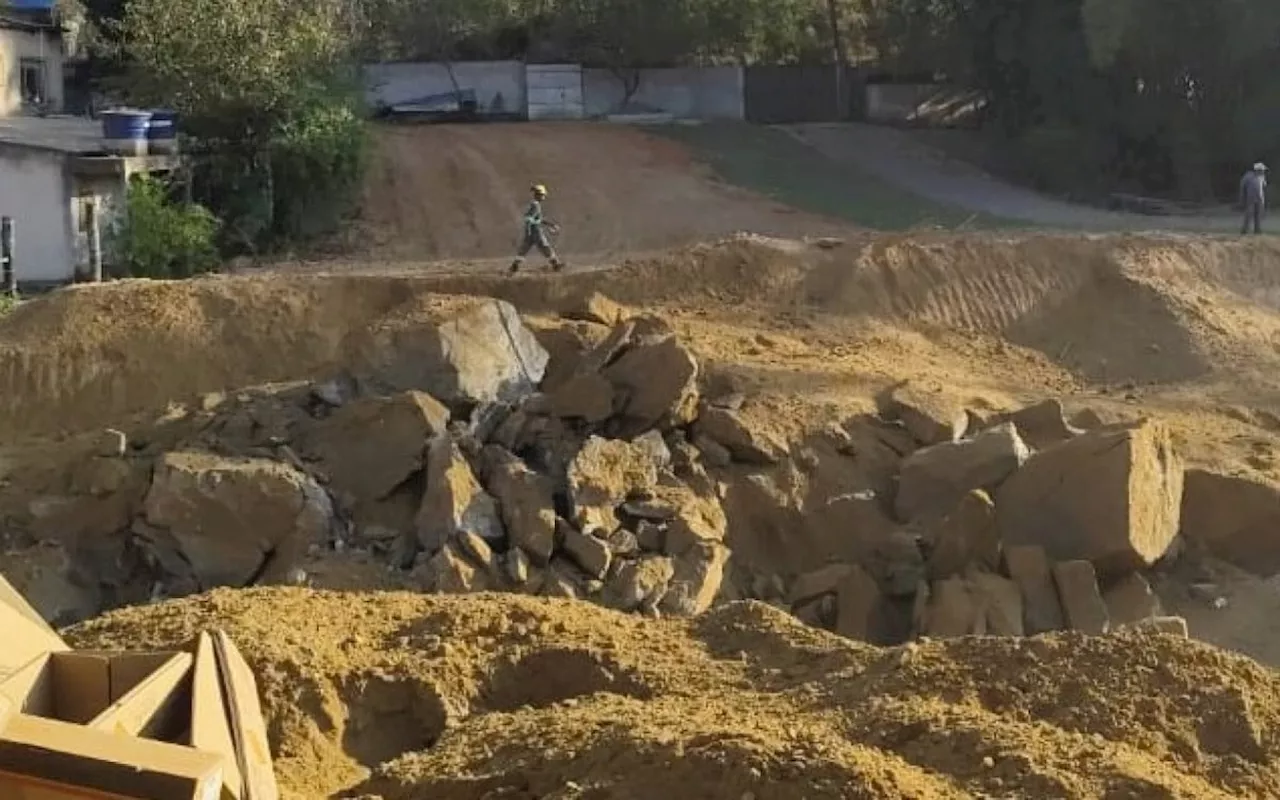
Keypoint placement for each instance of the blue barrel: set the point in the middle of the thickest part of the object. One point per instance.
(125, 124)
(162, 131)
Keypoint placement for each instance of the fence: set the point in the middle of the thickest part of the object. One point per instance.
(762, 94)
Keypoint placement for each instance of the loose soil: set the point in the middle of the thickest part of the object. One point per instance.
(405, 696)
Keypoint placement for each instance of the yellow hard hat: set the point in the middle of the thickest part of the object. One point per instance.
(539, 189)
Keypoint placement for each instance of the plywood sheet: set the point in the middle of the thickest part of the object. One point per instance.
(248, 729)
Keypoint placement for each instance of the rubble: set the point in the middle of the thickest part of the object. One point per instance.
(1082, 604)
(641, 583)
(1029, 567)
(1041, 425)
(1234, 517)
(658, 382)
(858, 606)
(454, 500)
(932, 417)
(1131, 600)
(237, 521)
(527, 503)
(587, 551)
(934, 480)
(602, 476)
(696, 577)
(744, 443)
(1111, 496)
(966, 536)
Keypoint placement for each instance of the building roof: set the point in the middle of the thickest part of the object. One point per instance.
(74, 135)
(33, 20)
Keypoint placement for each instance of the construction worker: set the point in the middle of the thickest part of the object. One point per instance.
(1253, 195)
(535, 232)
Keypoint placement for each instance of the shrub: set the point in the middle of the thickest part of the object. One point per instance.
(160, 238)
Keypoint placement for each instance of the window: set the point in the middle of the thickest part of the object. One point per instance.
(31, 72)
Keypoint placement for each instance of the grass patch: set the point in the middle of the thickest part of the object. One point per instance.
(8, 302)
(771, 162)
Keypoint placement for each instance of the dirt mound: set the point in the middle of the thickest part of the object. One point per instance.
(447, 191)
(401, 696)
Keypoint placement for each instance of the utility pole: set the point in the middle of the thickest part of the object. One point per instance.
(93, 223)
(8, 275)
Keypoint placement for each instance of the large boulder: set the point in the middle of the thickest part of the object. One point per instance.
(1111, 496)
(371, 446)
(745, 443)
(1082, 602)
(527, 502)
(454, 500)
(463, 350)
(237, 520)
(1234, 517)
(603, 474)
(641, 583)
(658, 385)
(1029, 568)
(967, 536)
(1041, 425)
(934, 480)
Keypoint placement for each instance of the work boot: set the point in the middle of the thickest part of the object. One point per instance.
(514, 268)
(557, 265)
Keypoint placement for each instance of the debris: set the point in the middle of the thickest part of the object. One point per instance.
(1041, 425)
(695, 581)
(932, 417)
(449, 572)
(603, 474)
(966, 536)
(638, 583)
(237, 520)
(587, 396)
(527, 503)
(818, 582)
(858, 606)
(1175, 626)
(952, 610)
(659, 381)
(934, 480)
(1001, 601)
(594, 307)
(1132, 479)
(744, 443)
(588, 552)
(1131, 600)
(454, 500)
(714, 453)
(1082, 604)
(1235, 518)
(111, 443)
(1028, 566)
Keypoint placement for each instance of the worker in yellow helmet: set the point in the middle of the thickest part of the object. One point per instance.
(535, 232)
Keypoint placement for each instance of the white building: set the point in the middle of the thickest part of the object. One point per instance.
(51, 168)
(31, 61)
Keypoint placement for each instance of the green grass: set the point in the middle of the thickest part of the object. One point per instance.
(8, 302)
(771, 162)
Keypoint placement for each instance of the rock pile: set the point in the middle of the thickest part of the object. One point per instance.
(459, 454)
(999, 536)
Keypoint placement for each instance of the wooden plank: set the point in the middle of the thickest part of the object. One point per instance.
(85, 758)
(30, 689)
(130, 669)
(210, 729)
(24, 640)
(248, 729)
(81, 686)
(150, 706)
(23, 787)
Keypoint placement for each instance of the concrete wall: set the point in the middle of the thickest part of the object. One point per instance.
(35, 191)
(17, 45)
(688, 93)
(925, 104)
(491, 80)
(554, 91)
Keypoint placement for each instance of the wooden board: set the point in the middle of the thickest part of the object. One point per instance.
(24, 787)
(150, 708)
(210, 729)
(24, 639)
(76, 756)
(248, 729)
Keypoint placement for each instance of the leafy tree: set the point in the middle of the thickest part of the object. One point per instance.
(158, 238)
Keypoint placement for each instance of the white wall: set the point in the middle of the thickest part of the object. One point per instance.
(400, 81)
(35, 192)
(554, 91)
(687, 92)
(17, 45)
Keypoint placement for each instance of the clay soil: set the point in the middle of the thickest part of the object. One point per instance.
(406, 696)
(509, 697)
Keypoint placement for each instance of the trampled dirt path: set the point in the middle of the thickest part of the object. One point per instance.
(895, 157)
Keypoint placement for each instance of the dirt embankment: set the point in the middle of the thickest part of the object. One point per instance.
(451, 191)
(405, 696)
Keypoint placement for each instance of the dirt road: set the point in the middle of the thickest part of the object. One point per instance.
(895, 157)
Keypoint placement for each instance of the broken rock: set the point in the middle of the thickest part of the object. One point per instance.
(858, 606)
(744, 443)
(932, 417)
(1041, 425)
(967, 536)
(1111, 496)
(594, 307)
(935, 479)
(1131, 600)
(1001, 602)
(463, 350)
(696, 578)
(586, 395)
(639, 583)
(818, 582)
(371, 446)
(1082, 603)
(1029, 568)
(952, 609)
(602, 476)
(659, 384)
(237, 520)
(449, 572)
(1235, 518)
(1174, 626)
(588, 552)
(527, 503)
(454, 500)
